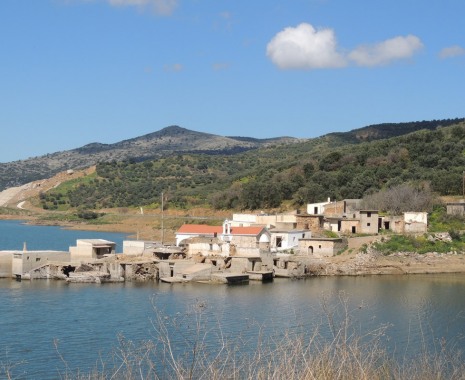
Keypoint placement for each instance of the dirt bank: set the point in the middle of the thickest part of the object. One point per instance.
(373, 263)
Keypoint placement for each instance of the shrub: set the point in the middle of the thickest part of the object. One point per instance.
(88, 215)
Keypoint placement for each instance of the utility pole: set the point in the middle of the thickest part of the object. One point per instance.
(463, 184)
(162, 219)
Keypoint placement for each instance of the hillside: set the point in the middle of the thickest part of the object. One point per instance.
(273, 176)
(163, 143)
(389, 130)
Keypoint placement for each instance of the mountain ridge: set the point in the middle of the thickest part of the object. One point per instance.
(178, 140)
(167, 141)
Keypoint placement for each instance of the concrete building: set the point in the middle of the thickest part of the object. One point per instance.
(415, 222)
(359, 222)
(188, 231)
(317, 208)
(263, 262)
(91, 249)
(206, 246)
(26, 261)
(226, 240)
(369, 221)
(393, 223)
(322, 247)
(286, 239)
(349, 225)
(282, 221)
(18, 263)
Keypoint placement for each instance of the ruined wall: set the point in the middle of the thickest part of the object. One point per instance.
(352, 205)
(249, 252)
(314, 223)
(205, 248)
(393, 223)
(240, 265)
(334, 209)
(455, 209)
(242, 241)
(193, 272)
(285, 267)
(275, 219)
(415, 228)
(416, 217)
(133, 247)
(242, 220)
(6, 262)
(26, 261)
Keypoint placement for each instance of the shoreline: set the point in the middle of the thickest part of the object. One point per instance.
(349, 263)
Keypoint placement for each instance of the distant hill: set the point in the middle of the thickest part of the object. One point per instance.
(163, 143)
(175, 140)
(275, 176)
(388, 130)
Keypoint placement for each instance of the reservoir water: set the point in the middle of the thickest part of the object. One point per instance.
(13, 233)
(45, 324)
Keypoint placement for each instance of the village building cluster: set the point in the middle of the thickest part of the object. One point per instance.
(296, 232)
(247, 247)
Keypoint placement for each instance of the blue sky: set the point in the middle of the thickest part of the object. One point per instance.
(74, 72)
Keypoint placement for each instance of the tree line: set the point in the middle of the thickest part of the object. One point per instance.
(291, 174)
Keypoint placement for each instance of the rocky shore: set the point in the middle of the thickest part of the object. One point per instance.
(349, 263)
(374, 263)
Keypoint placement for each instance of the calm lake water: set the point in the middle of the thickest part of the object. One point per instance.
(14, 233)
(44, 322)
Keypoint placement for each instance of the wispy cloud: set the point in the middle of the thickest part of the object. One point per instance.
(160, 7)
(451, 52)
(224, 21)
(220, 66)
(176, 67)
(305, 47)
(383, 53)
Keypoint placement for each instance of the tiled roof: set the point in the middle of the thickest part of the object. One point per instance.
(246, 230)
(203, 229)
(199, 229)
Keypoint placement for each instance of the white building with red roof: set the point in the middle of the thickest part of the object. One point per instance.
(242, 238)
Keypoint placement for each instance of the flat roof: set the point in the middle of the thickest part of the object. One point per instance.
(97, 242)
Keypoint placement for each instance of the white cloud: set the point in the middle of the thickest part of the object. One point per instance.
(451, 52)
(304, 47)
(385, 52)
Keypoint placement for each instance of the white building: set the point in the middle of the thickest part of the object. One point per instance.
(317, 208)
(286, 239)
(91, 249)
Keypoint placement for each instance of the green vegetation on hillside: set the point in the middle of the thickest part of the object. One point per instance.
(294, 174)
(420, 244)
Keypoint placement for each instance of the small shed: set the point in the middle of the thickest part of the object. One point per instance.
(322, 247)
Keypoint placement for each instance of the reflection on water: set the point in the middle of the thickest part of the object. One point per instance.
(84, 320)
